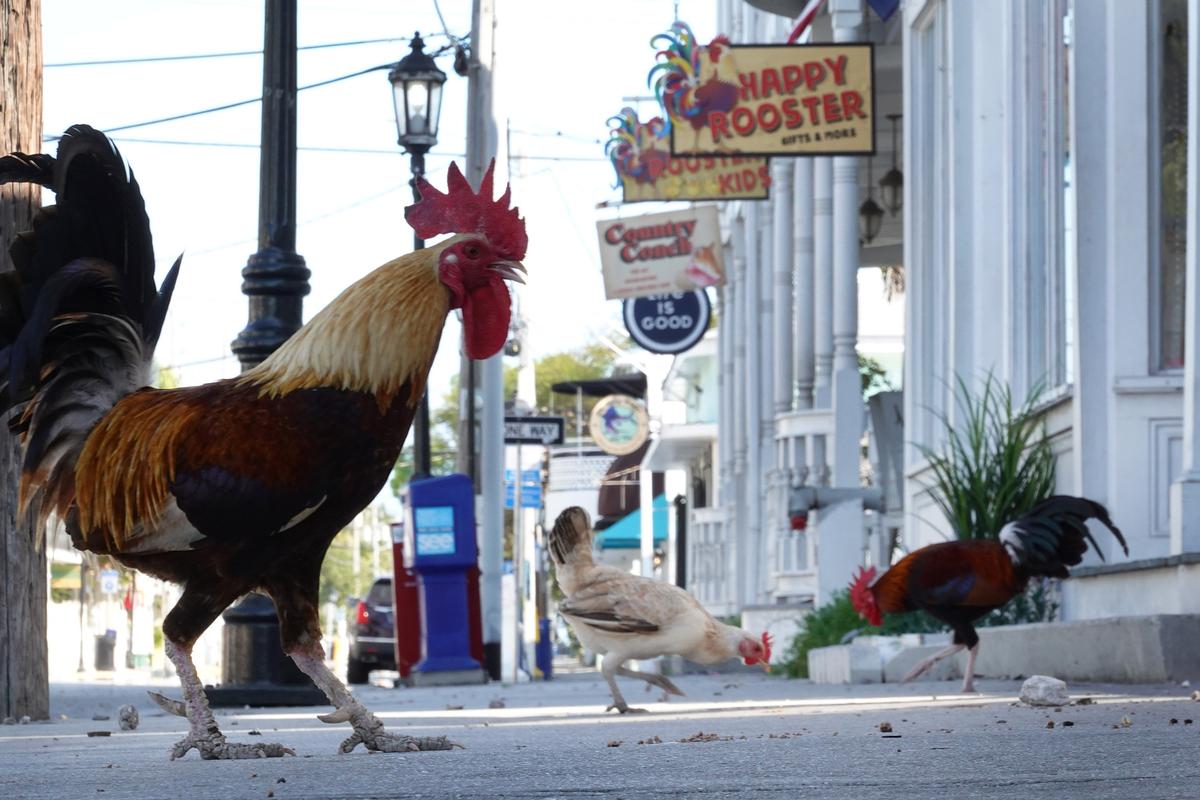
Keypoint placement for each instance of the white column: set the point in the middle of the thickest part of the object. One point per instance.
(1185, 492)
(751, 510)
(802, 233)
(782, 170)
(723, 465)
(847, 385)
(738, 515)
(822, 319)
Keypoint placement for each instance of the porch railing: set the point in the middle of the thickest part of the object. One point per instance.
(710, 556)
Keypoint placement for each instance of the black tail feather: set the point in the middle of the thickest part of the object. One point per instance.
(80, 313)
(1054, 534)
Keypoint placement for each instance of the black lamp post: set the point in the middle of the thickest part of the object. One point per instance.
(417, 94)
(254, 669)
(275, 278)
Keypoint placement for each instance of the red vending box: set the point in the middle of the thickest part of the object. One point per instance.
(407, 607)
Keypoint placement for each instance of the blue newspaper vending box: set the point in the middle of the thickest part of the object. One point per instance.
(444, 549)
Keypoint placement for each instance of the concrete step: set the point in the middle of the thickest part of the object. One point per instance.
(1146, 649)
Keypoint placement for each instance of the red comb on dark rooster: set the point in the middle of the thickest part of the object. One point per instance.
(862, 598)
(463, 210)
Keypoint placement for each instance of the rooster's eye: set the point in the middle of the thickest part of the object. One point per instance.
(471, 251)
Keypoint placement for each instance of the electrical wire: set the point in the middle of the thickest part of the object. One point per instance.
(354, 150)
(228, 106)
(228, 54)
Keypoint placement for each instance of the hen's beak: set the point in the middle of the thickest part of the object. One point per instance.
(509, 270)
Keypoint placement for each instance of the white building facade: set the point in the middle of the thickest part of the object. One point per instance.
(1048, 236)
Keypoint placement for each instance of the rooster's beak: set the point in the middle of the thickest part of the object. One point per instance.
(509, 270)
(766, 667)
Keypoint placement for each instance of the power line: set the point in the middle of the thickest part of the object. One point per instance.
(228, 106)
(356, 150)
(227, 54)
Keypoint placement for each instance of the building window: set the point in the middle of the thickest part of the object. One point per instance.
(1171, 173)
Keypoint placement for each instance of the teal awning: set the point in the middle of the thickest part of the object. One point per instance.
(627, 533)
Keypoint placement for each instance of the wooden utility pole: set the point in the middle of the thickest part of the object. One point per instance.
(24, 679)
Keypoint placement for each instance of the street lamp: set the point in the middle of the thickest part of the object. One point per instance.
(417, 97)
(870, 214)
(892, 183)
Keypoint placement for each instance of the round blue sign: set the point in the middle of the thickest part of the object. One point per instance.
(668, 323)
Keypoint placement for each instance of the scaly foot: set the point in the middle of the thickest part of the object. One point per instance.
(369, 731)
(624, 709)
(213, 746)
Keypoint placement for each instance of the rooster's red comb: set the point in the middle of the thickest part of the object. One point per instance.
(767, 642)
(862, 598)
(462, 210)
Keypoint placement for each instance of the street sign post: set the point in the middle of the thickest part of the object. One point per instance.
(533, 430)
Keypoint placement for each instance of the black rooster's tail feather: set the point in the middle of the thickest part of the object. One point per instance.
(80, 314)
(1054, 534)
(570, 539)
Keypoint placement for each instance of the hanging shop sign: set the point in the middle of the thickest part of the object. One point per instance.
(657, 253)
(765, 100)
(668, 323)
(646, 170)
(619, 424)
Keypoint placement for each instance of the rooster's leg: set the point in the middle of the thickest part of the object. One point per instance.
(205, 736)
(609, 669)
(301, 634)
(969, 675)
(368, 729)
(661, 681)
(194, 612)
(924, 666)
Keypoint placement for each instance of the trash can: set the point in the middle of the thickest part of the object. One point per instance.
(251, 652)
(254, 669)
(106, 643)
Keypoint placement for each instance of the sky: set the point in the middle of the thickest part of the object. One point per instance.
(560, 74)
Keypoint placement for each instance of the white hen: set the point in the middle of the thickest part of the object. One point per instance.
(623, 616)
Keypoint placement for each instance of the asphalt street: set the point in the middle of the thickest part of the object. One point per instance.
(731, 737)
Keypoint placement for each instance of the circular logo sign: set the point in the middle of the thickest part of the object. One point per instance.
(668, 323)
(619, 424)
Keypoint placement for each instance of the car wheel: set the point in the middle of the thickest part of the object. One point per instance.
(356, 671)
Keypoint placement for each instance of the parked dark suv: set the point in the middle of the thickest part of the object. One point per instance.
(372, 633)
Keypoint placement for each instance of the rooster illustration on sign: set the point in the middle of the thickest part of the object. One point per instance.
(689, 79)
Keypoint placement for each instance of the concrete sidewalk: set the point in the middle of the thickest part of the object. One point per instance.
(731, 736)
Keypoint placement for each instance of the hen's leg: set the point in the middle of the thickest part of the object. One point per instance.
(191, 615)
(301, 635)
(609, 670)
(924, 666)
(661, 681)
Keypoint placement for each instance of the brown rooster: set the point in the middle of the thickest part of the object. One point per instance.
(237, 485)
(959, 582)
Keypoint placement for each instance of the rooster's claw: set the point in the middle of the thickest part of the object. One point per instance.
(624, 709)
